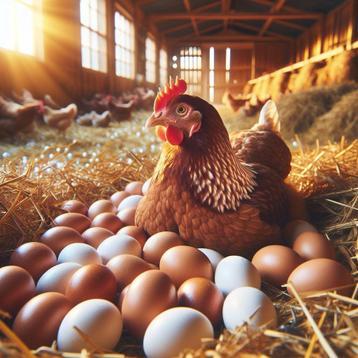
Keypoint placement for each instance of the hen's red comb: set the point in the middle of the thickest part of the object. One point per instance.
(169, 91)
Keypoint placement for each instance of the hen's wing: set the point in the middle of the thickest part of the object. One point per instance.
(263, 143)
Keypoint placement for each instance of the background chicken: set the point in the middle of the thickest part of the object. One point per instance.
(230, 199)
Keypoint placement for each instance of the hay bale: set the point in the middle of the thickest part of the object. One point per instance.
(298, 111)
(306, 77)
(278, 85)
(339, 69)
(341, 120)
(291, 81)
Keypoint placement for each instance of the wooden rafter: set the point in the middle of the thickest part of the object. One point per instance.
(257, 29)
(292, 25)
(196, 10)
(225, 7)
(192, 19)
(269, 3)
(226, 38)
(157, 17)
(277, 6)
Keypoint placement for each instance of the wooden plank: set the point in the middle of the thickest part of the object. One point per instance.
(157, 17)
(257, 29)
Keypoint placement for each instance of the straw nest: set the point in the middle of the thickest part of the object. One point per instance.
(327, 176)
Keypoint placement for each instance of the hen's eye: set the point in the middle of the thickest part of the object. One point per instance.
(181, 110)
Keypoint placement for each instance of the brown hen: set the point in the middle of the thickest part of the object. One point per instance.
(230, 199)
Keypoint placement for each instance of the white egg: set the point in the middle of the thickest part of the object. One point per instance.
(146, 186)
(98, 319)
(130, 202)
(174, 330)
(213, 256)
(236, 271)
(56, 278)
(250, 305)
(118, 245)
(80, 253)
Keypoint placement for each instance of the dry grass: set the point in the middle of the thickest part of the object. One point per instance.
(32, 189)
(298, 111)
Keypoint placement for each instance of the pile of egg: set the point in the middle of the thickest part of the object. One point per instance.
(94, 273)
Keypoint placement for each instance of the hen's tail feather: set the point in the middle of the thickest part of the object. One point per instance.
(269, 118)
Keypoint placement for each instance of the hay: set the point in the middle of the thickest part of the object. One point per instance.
(278, 85)
(298, 111)
(306, 77)
(327, 176)
(339, 69)
(341, 119)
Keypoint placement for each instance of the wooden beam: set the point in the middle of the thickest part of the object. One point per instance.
(269, 3)
(257, 29)
(277, 6)
(227, 38)
(157, 17)
(188, 9)
(292, 25)
(208, 29)
(225, 7)
(198, 9)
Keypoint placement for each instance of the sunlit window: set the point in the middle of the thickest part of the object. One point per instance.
(21, 26)
(227, 64)
(190, 69)
(163, 66)
(211, 74)
(93, 34)
(150, 60)
(124, 42)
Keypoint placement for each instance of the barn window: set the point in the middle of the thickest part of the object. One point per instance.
(93, 34)
(21, 26)
(124, 42)
(227, 64)
(163, 66)
(211, 74)
(150, 60)
(190, 68)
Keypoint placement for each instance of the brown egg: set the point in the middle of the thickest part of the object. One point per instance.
(101, 206)
(58, 237)
(127, 216)
(94, 236)
(108, 221)
(126, 268)
(16, 288)
(183, 262)
(74, 206)
(39, 319)
(92, 281)
(313, 245)
(275, 263)
(321, 275)
(157, 244)
(77, 221)
(135, 232)
(134, 188)
(131, 201)
(34, 257)
(149, 294)
(118, 196)
(121, 297)
(296, 227)
(201, 294)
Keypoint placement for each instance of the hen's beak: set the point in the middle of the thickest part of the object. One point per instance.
(189, 126)
(155, 119)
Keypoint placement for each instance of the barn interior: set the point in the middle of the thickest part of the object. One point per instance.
(78, 81)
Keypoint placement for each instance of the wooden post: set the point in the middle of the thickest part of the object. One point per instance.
(253, 61)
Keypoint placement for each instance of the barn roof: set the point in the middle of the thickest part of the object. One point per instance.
(244, 20)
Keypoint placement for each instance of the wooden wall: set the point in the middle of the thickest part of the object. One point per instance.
(60, 73)
(338, 27)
